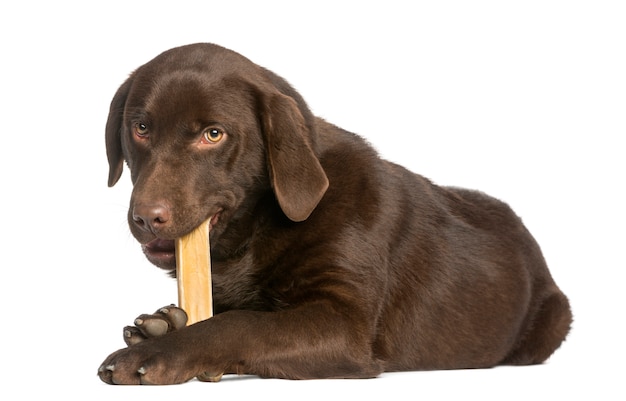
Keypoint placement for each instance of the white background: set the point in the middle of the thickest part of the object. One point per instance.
(523, 100)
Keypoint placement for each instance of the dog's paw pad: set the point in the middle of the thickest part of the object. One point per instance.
(176, 316)
(151, 326)
(132, 335)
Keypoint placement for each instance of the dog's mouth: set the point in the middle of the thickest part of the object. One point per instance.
(162, 252)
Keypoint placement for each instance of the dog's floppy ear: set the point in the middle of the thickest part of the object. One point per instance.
(113, 133)
(297, 177)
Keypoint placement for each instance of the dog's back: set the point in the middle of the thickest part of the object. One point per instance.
(466, 284)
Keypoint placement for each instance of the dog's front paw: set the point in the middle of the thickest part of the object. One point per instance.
(149, 362)
(163, 321)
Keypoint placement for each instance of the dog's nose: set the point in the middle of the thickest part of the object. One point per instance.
(151, 217)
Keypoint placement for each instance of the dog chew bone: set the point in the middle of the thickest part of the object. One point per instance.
(193, 272)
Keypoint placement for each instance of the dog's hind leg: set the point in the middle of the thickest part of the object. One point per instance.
(545, 332)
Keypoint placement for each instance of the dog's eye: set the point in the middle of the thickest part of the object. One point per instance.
(141, 130)
(212, 135)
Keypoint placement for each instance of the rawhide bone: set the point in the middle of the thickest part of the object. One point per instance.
(193, 272)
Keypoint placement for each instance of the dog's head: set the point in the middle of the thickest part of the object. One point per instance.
(207, 134)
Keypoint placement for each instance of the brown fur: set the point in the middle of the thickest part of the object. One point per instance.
(327, 260)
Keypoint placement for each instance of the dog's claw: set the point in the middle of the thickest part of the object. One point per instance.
(208, 377)
(104, 368)
(133, 335)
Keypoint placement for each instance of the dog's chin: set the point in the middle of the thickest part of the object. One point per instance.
(161, 253)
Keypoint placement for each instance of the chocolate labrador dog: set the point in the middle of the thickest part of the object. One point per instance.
(328, 262)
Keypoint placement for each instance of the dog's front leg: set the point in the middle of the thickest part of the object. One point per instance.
(312, 341)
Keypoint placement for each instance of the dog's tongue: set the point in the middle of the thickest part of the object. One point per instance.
(214, 219)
